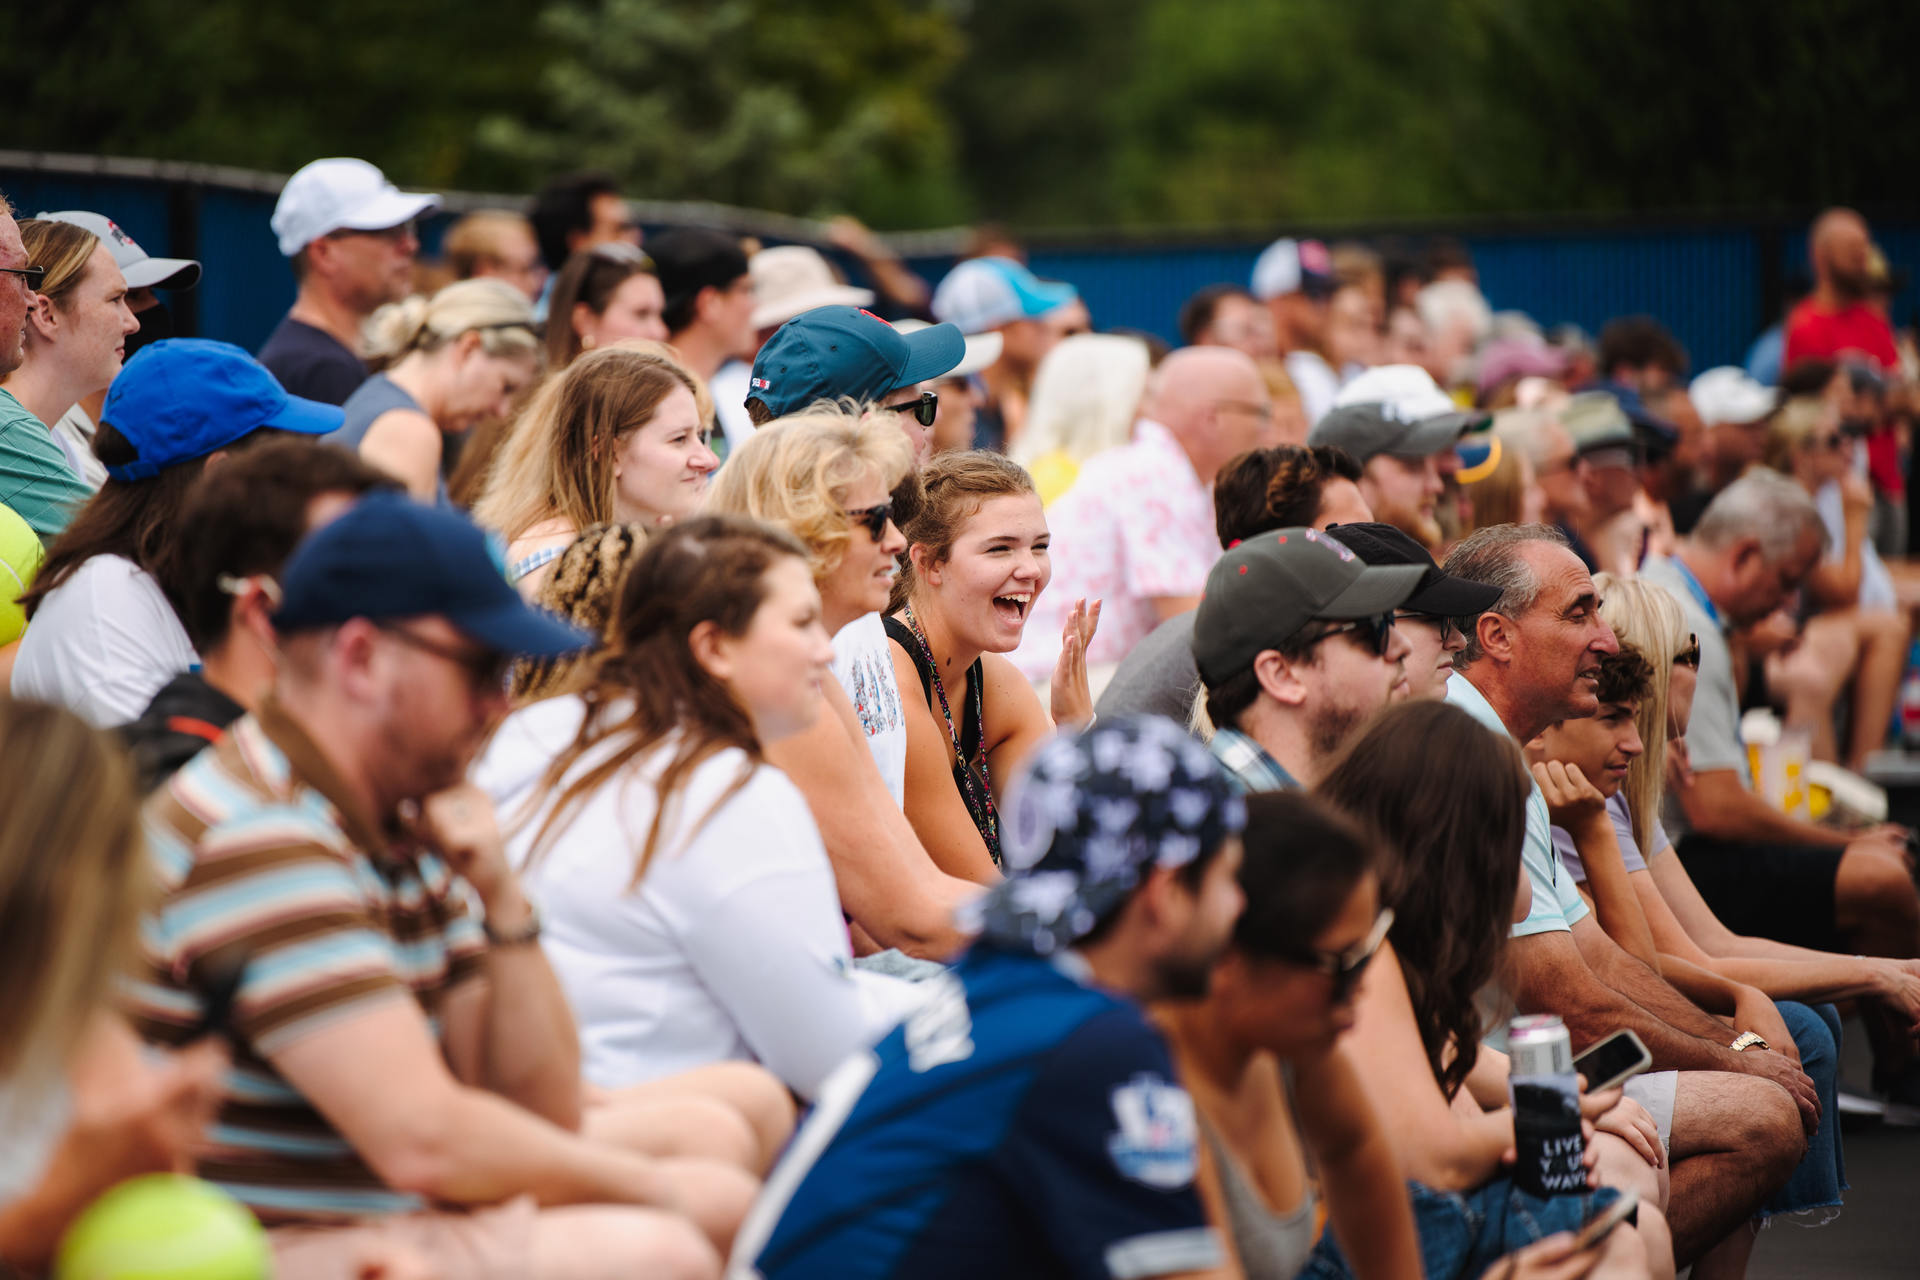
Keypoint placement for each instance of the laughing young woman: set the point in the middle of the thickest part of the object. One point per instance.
(976, 561)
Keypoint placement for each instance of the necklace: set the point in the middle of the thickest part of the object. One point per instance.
(977, 791)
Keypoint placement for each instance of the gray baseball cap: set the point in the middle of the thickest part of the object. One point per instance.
(142, 271)
(1265, 591)
(1395, 409)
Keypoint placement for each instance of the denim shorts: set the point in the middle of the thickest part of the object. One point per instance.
(1464, 1233)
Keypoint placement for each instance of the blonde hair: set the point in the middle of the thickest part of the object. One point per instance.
(74, 881)
(1790, 428)
(796, 473)
(1086, 395)
(557, 460)
(494, 309)
(1648, 618)
(478, 240)
(64, 250)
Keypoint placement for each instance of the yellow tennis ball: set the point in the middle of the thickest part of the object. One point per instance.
(164, 1226)
(20, 556)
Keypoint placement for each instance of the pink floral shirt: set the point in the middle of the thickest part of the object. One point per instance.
(1137, 524)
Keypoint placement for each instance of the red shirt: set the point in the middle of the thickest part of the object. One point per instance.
(1855, 329)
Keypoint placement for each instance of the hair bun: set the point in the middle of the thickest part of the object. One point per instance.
(396, 328)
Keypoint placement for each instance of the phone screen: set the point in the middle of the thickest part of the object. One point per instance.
(1612, 1060)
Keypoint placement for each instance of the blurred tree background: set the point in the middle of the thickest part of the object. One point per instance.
(1039, 113)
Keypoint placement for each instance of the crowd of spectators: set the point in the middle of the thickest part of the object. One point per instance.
(610, 758)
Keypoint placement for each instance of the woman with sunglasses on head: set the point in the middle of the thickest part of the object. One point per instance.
(603, 295)
(1449, 798)
(1264, 1058)
(443, 364)
(976, 561)
(619, 436)
(77, 326)
(688, 906)
(825, 476)
(1856, 629)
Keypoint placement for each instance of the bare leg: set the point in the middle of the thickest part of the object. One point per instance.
(1884, 637)
(1728, 1259)
(689, 1125)
(1875, 905)
(606, 1243)
(1736, 1140)
(751, 1091)
(1810, 678)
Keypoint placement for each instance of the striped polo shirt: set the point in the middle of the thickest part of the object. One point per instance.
(277, 888)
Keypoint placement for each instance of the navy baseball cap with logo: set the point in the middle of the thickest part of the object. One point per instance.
(184, 398)
(1090, 815)
(1267, 589)
(830, 352)
(390, 557)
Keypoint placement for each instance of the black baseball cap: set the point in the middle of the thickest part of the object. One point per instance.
(1439, 593)
(689, 259)
(1267, 589)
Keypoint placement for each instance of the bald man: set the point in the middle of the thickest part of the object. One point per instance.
(1838, 319)
(1136, 529)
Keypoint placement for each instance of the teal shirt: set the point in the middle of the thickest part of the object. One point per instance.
(35, 478)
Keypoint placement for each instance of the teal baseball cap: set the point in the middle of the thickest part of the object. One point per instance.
(830, 352)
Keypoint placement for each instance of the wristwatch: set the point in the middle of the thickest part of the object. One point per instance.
(528, 932)
(1748, 1040)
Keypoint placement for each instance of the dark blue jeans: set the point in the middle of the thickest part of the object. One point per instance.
(1822, 1173)
(1462, 1234)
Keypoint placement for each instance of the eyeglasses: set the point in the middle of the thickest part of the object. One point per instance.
(875, 518)
(1345, 968)
(486, 668)
(393, 235)
(923, 410)
(32, 275)
(1376, 631)
(1690, 656)
(1449, 628)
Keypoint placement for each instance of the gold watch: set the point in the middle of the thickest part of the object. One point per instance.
(1748, 1040)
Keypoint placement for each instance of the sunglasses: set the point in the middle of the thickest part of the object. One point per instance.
(1345, 968)
(875, 519)
(923, 410)
(486, 668)
(1690, 656)
(1449, 628)
(32, 275)
(1376, 632)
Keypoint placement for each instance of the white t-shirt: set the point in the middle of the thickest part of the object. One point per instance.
(74, 434)
(1876, 582)
(731, 946)
(728, 387)
(863, 664)
(32, 1122)
(102, 644)
(1316, 382)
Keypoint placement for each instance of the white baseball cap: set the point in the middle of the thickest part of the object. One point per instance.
(1728, 395)
(791, 278)
(341, 194)
(985, 293)
(141, 270)
(982, 348)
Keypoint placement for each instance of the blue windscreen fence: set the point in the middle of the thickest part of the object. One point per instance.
(1715, 283)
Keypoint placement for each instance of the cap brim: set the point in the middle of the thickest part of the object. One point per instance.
(516, 627)
(1437, 434)
(163, 273)
(1450, 597)
(1043, 296)
(932, 353)
(1378, 589)
(388, 209)
(983, 349)
(307, 417)
(772, 315)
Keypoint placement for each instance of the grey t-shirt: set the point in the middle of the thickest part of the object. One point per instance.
(1713, 735)
(1630, 856)
(1157, 677)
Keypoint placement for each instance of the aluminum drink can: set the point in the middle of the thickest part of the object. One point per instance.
(1550, 1153)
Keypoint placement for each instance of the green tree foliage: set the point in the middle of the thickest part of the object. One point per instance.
(798, 108)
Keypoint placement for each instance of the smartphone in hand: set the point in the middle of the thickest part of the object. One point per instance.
(1610, 1061)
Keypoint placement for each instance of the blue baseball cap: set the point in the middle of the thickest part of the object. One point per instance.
(830, 352)
(388, 556)
(1089, 817)
(184, 398)
(985, 293)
